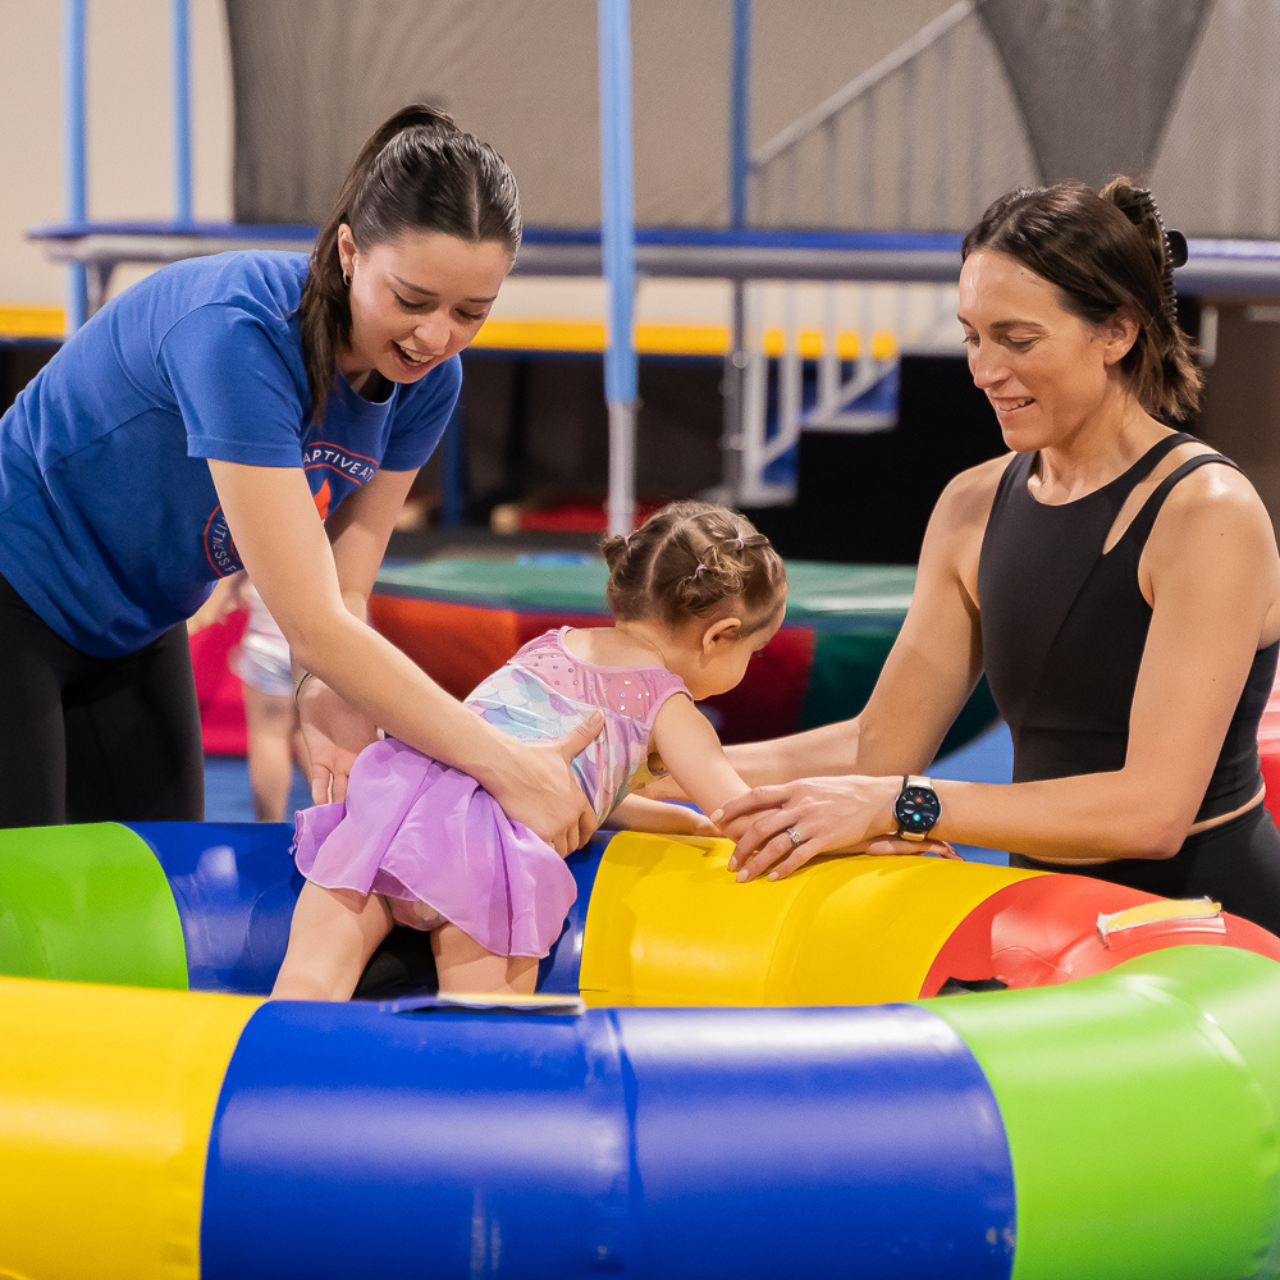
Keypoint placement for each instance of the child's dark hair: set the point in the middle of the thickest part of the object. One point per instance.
(692, 559)
(418, 172)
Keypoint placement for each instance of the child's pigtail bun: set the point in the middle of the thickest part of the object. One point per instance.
(615, 550)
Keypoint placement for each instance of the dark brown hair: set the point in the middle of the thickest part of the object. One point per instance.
(418, 172)
(1104, 250)
(692, 559)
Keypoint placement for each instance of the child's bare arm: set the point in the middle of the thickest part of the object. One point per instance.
(637, 813)
(695, 759)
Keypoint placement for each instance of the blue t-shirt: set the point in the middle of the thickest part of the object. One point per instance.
(110, 526)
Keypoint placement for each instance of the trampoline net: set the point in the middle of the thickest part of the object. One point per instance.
(313, 78)
(925, 147)
(1094, 78)
(1183, 92)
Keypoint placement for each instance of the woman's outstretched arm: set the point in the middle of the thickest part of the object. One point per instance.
(929, 674)
(1212, 576)
(287, 552)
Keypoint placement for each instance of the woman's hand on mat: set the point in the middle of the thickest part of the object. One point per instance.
(540, 790)
(828, 815)
(334, 733)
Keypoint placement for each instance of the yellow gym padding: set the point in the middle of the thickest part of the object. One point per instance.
(107, 1097)
(669, 924)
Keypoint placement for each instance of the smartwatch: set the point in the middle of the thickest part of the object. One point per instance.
(917, 808)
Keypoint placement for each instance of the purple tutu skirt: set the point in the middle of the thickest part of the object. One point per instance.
(420, 832)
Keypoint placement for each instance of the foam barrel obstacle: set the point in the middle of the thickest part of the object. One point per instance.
(1118, 1124)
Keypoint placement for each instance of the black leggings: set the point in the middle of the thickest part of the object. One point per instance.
(86, 739)
(1237, 864)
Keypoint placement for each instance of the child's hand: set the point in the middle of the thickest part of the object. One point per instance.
(703, 826)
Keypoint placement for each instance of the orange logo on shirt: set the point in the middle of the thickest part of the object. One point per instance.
(321, 500)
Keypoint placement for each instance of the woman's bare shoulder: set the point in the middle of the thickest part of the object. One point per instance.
(968, 497)
(1212, 493)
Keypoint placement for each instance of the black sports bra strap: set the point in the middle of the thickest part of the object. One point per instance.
(1154, 456)
(1142, 523)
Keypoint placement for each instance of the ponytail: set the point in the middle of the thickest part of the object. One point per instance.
(418, 171)
(1162, 361)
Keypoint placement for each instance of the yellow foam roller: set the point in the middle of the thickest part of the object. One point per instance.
(107, 1096)
(669, 924)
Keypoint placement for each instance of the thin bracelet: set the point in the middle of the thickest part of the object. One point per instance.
(297, 685)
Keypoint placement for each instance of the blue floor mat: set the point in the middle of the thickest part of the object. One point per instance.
(226, 791)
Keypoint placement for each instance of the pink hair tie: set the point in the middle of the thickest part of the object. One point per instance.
(741, 544)
(699, 569)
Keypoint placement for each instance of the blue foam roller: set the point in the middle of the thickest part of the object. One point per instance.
(355, 1140)
(235, 885)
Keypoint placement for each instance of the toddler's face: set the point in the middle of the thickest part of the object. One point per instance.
(725, 668)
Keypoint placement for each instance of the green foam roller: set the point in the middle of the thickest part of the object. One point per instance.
(87, 904)
(1141, 1109)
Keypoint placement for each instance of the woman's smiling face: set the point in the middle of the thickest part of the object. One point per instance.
(416, 300)
(1045, 371)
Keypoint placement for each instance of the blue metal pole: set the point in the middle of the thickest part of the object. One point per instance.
(740, 115)
(73, 142)
(618, 236)
(180, 57)
(732, 442)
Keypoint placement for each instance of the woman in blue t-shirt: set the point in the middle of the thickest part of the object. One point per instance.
(260, 411)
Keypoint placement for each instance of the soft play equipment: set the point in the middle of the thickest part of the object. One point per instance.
(1112, 1114)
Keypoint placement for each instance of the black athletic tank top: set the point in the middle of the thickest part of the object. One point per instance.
(1064, 628)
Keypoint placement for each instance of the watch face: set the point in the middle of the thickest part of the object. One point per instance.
(917, 809)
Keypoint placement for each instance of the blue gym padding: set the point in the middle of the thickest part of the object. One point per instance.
(699, 1144)
(235, 886)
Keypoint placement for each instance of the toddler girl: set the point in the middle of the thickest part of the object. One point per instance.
(694, 593)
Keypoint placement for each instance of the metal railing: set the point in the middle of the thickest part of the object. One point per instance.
(895, 147)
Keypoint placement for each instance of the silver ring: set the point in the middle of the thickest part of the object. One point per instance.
(796, 838)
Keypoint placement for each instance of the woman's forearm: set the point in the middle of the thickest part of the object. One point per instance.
(369, 672)
(1099, 815)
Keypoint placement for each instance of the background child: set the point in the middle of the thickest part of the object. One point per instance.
(261, 660)
(695, 592)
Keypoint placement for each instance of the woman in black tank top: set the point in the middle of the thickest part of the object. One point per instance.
(1118, 582)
